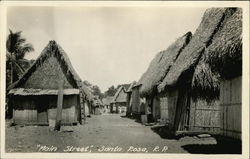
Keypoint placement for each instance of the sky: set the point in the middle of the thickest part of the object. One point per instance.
(106, 45)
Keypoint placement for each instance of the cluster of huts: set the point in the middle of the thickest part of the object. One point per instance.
(192, 86)
(33, 98)
(195, 84)
(117, 103)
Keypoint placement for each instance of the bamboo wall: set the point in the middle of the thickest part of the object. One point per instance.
(172, 103)
(135, 100)
(129, 103)
(204, 116)
(86, 107)
(178, 100)
(230, 107)
(156, 108)
(68, 115)
(163, 108)
(39, 109)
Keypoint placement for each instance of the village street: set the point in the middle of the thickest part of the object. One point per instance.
(104, 133)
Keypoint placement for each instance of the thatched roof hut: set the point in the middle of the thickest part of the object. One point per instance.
(191, 76)
(192, 53)
(52, 49)
(120, 96)
(107, 100)
(34, 95)
(119, 100)
(161, 64)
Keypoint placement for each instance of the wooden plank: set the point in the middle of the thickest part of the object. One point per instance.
(164, 107)
(59, 107)
(231, 107)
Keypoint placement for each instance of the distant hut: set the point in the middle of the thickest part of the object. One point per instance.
(224, 56)
(106, 102)
(97, 106)
(129, 99)
(157, 70)
(119, 101)
(34, 95)
(138, 102)
(191, 86)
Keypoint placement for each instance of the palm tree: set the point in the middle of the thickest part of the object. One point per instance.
(16, 47)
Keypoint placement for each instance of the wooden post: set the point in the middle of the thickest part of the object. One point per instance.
(59, 107)
(82, 106)
(117, 108)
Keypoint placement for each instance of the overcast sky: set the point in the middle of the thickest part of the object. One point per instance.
(106, 46)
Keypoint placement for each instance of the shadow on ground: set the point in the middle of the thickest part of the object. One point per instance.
(163, 132)
(135, 118)
(213, 149)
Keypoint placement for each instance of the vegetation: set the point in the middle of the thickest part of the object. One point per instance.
(112, 89)
(17, 48)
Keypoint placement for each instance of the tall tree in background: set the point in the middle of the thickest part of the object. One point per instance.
(16, 47)
(97, 91)
(111, 91)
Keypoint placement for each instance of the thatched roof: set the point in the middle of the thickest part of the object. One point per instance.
(224, 55)
(52, 49)
(119, 97)
(192, 53)
(89, 95)
(161, 64)
(205, 81)
(130, 87)
(34, 92)
(107, 100)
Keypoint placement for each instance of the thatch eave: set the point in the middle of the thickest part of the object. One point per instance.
(161, 64)
(224, 55)
(35, 92)
(191, 54)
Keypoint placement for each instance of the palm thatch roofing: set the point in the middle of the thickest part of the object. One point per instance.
(224, 55)
(107, 100)
(192, 53)
(89, 95)
(206, 81)
(117, 94)
(34, 92)
(52, 49)
(161, 64)
(129, 90)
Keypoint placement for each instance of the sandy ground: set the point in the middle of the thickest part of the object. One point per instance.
(104, 133)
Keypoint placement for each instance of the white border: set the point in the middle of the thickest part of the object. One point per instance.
(245, 84)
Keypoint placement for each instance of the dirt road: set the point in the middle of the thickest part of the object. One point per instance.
(103, 133)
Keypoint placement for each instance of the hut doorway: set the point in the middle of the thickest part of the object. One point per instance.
(42, 104)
